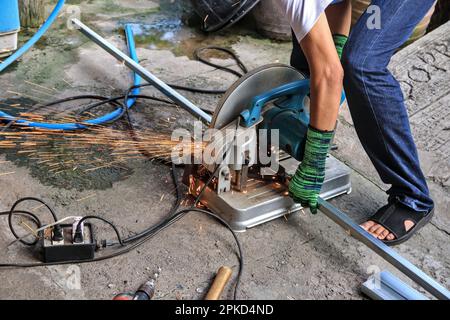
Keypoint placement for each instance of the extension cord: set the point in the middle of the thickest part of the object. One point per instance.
(71, 248)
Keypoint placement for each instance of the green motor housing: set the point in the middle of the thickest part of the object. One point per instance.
(291, 123)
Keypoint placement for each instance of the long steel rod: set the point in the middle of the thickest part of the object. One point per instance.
(387, 253)
(144, 73)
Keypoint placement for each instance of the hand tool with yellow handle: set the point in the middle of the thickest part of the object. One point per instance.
(221, 280)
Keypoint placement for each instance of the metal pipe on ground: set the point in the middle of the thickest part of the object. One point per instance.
(144, 73)
(387, 253)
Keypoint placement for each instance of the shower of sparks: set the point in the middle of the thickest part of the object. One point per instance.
(87, 197)
(88, 150)
(6, 173)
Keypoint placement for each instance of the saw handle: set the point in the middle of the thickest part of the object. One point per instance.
(300, 88)
(253, 114)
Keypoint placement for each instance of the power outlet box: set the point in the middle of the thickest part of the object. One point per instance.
(67, 250)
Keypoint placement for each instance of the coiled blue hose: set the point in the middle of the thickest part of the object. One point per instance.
(71, 126)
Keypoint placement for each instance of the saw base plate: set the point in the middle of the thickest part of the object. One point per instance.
(264, 201)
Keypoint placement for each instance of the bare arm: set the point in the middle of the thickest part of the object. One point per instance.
(326, 75)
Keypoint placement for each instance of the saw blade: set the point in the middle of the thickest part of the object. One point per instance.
(256, 82)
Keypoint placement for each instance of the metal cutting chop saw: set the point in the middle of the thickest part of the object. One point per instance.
(247, 190)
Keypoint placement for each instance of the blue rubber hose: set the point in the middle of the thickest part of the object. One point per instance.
(97, 121)
(43, 29)
(133, 55)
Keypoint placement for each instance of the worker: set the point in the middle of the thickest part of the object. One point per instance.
(375, 100)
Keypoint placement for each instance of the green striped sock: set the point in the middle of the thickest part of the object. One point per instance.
(339, 41)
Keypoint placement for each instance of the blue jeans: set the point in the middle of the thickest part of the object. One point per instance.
(376, 101)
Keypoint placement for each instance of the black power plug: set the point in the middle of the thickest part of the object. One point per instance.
(57, 233)
(78, 236)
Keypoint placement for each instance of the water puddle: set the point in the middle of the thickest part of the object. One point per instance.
(172, 28)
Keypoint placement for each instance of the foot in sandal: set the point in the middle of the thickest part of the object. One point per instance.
(395, 223)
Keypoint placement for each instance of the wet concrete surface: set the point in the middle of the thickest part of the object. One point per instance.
(305, 256)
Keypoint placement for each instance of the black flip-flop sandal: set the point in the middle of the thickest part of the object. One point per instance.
(393, 216)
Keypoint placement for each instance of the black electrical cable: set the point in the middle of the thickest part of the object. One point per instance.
(240, 64)
(79, 224)
(30, 215)
(128, 95)
(72, 98)
(123, 106)
(139, 243)
(179, 199)
(13, 210)
(115, 99)
(55, 218)
(197, 90)
(55, 102)
(198, 56)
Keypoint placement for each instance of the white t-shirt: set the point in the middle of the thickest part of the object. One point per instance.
(303, 14)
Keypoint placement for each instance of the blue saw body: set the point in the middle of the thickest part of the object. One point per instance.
(289, 115)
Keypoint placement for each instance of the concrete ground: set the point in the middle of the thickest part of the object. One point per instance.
(304, 256)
